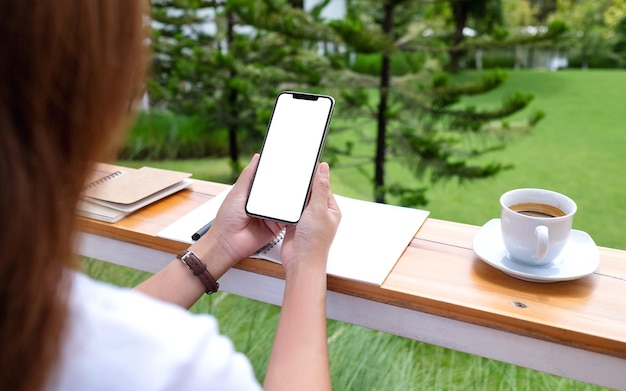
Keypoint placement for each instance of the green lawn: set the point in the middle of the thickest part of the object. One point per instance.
(577, 149)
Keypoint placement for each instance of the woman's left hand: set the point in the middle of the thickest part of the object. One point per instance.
(238, 234)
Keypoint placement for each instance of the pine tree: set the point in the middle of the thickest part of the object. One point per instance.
(419, 121)
(232, 73)
(182, 44)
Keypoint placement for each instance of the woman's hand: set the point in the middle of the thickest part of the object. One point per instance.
(232, 237)
(238, 234)
(311, 238)
(299, 359)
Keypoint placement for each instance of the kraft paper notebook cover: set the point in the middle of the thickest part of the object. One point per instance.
(113, 193)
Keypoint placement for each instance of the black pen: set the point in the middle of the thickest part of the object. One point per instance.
(202, 231)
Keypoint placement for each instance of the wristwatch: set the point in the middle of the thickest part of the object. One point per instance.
(193, 263)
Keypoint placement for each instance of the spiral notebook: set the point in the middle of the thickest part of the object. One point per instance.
(113, 193)
(271, 251)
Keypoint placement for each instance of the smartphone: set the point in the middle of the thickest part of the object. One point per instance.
(291, 150)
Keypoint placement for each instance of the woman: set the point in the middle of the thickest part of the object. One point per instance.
(71, 70)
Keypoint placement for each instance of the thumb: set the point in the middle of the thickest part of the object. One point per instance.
(245, 178)
(321, 185)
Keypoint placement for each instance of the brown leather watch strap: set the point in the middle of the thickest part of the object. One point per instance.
(193, 263)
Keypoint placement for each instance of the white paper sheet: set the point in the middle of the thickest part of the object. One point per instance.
(182, 229)
(370, 239)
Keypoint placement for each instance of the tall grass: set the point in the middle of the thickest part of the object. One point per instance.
(577, 149)
(361, 359)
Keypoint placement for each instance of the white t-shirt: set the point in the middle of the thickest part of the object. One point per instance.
(119, 339)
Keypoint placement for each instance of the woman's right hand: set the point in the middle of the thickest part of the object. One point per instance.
(299, 359)
(310, 239)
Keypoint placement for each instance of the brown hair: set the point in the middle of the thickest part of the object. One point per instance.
(70, 71)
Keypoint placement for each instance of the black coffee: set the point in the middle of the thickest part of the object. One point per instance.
(537, 210)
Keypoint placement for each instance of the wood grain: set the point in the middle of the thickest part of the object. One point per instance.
(439, 274)
(440, 270)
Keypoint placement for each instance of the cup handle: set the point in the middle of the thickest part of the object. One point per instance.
(541, 233)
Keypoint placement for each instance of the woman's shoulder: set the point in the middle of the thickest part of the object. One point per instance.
(127, 340)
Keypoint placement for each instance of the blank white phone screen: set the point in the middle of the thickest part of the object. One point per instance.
(289, 156)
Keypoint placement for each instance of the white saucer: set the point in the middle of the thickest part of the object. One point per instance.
(579, 258)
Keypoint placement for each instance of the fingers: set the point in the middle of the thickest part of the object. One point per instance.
(237, 195)
(274, 227)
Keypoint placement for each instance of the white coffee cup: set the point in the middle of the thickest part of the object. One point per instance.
(535, 224)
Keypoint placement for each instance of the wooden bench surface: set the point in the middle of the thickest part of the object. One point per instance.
(440, 274)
